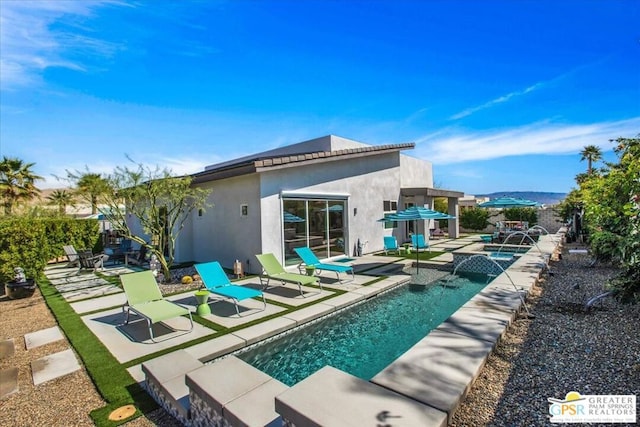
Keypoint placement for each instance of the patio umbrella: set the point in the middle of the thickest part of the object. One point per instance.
(416, 213)
(289, 217)
(508, 202)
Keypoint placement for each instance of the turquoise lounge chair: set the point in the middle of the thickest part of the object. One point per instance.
(418, 242)
(145, 299)
(272, 269)
(486, 239)
(217, 282)
(310, 259)
(391, 245)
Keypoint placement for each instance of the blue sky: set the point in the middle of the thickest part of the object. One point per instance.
(499, 95)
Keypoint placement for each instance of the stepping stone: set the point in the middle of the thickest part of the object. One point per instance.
(45, 336)
(96, 291)
(8, 382)
(91, 283)
(54, 366)
(7, 348)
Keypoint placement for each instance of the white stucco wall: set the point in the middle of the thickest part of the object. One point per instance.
(415, 172)
(222, 234)
(368, 181)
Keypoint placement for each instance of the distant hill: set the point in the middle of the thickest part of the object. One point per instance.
(536, 196)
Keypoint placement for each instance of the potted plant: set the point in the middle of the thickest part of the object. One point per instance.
(20, 286)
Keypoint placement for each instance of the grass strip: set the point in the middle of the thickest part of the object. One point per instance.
(110, 377)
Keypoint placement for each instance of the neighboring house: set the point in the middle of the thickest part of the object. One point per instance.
(326, 193)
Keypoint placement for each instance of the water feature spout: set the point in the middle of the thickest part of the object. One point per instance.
(545, 260)
(524, 304)
(597, 298)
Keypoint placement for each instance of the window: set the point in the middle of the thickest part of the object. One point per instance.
(389, 206)
(244, 210)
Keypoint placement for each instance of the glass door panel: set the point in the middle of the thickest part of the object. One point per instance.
(336, 209)
(294, 219)
(318, 216)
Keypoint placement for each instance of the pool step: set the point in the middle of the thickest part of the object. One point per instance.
(198, 394)
(165, 381)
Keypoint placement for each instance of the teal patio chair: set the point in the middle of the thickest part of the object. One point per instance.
(391, 245)
(418, 242)
(145, 299)
(310, 259)
(217, 282)
(272, 269)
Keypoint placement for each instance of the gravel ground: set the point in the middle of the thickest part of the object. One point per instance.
(561, 350)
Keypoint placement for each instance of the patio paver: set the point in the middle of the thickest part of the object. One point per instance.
(128, 342)
(7, 348)
(42, 337)
(53, 366)
(102, 303)
(8, 382)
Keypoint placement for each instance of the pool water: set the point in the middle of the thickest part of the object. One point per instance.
(364, 339)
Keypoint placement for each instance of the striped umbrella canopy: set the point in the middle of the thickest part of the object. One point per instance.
(416, 213)
(289, 217)
(508, 202)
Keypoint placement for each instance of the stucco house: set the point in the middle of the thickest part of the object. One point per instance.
(326, 193)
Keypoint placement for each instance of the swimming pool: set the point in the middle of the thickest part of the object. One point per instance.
(365, 339)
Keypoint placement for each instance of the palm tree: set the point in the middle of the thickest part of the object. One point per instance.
(17, 182)
(92, 186)
(61, 198)
(591, 153)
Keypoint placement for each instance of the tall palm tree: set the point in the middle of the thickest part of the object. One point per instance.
(591, 153)
(17, 182)
(62, 199)
(92, 186)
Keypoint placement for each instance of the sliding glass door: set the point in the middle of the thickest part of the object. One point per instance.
(316, 223)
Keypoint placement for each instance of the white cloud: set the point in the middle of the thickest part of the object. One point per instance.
(497, 101)
(30, 45)
(536, 138)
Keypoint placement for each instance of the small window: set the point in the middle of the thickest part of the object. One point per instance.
(200, 212)
(389, 205)
(244, 210)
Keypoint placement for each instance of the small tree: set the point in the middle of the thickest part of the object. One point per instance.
(612, 213)
(160, 202)
(474, 218)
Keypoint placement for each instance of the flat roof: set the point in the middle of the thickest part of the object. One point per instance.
(430, 192)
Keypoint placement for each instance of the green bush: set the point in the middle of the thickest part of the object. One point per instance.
(31, 243)
(605, 246)
(474, 218)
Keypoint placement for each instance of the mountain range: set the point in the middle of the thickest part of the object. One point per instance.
(536, 196)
